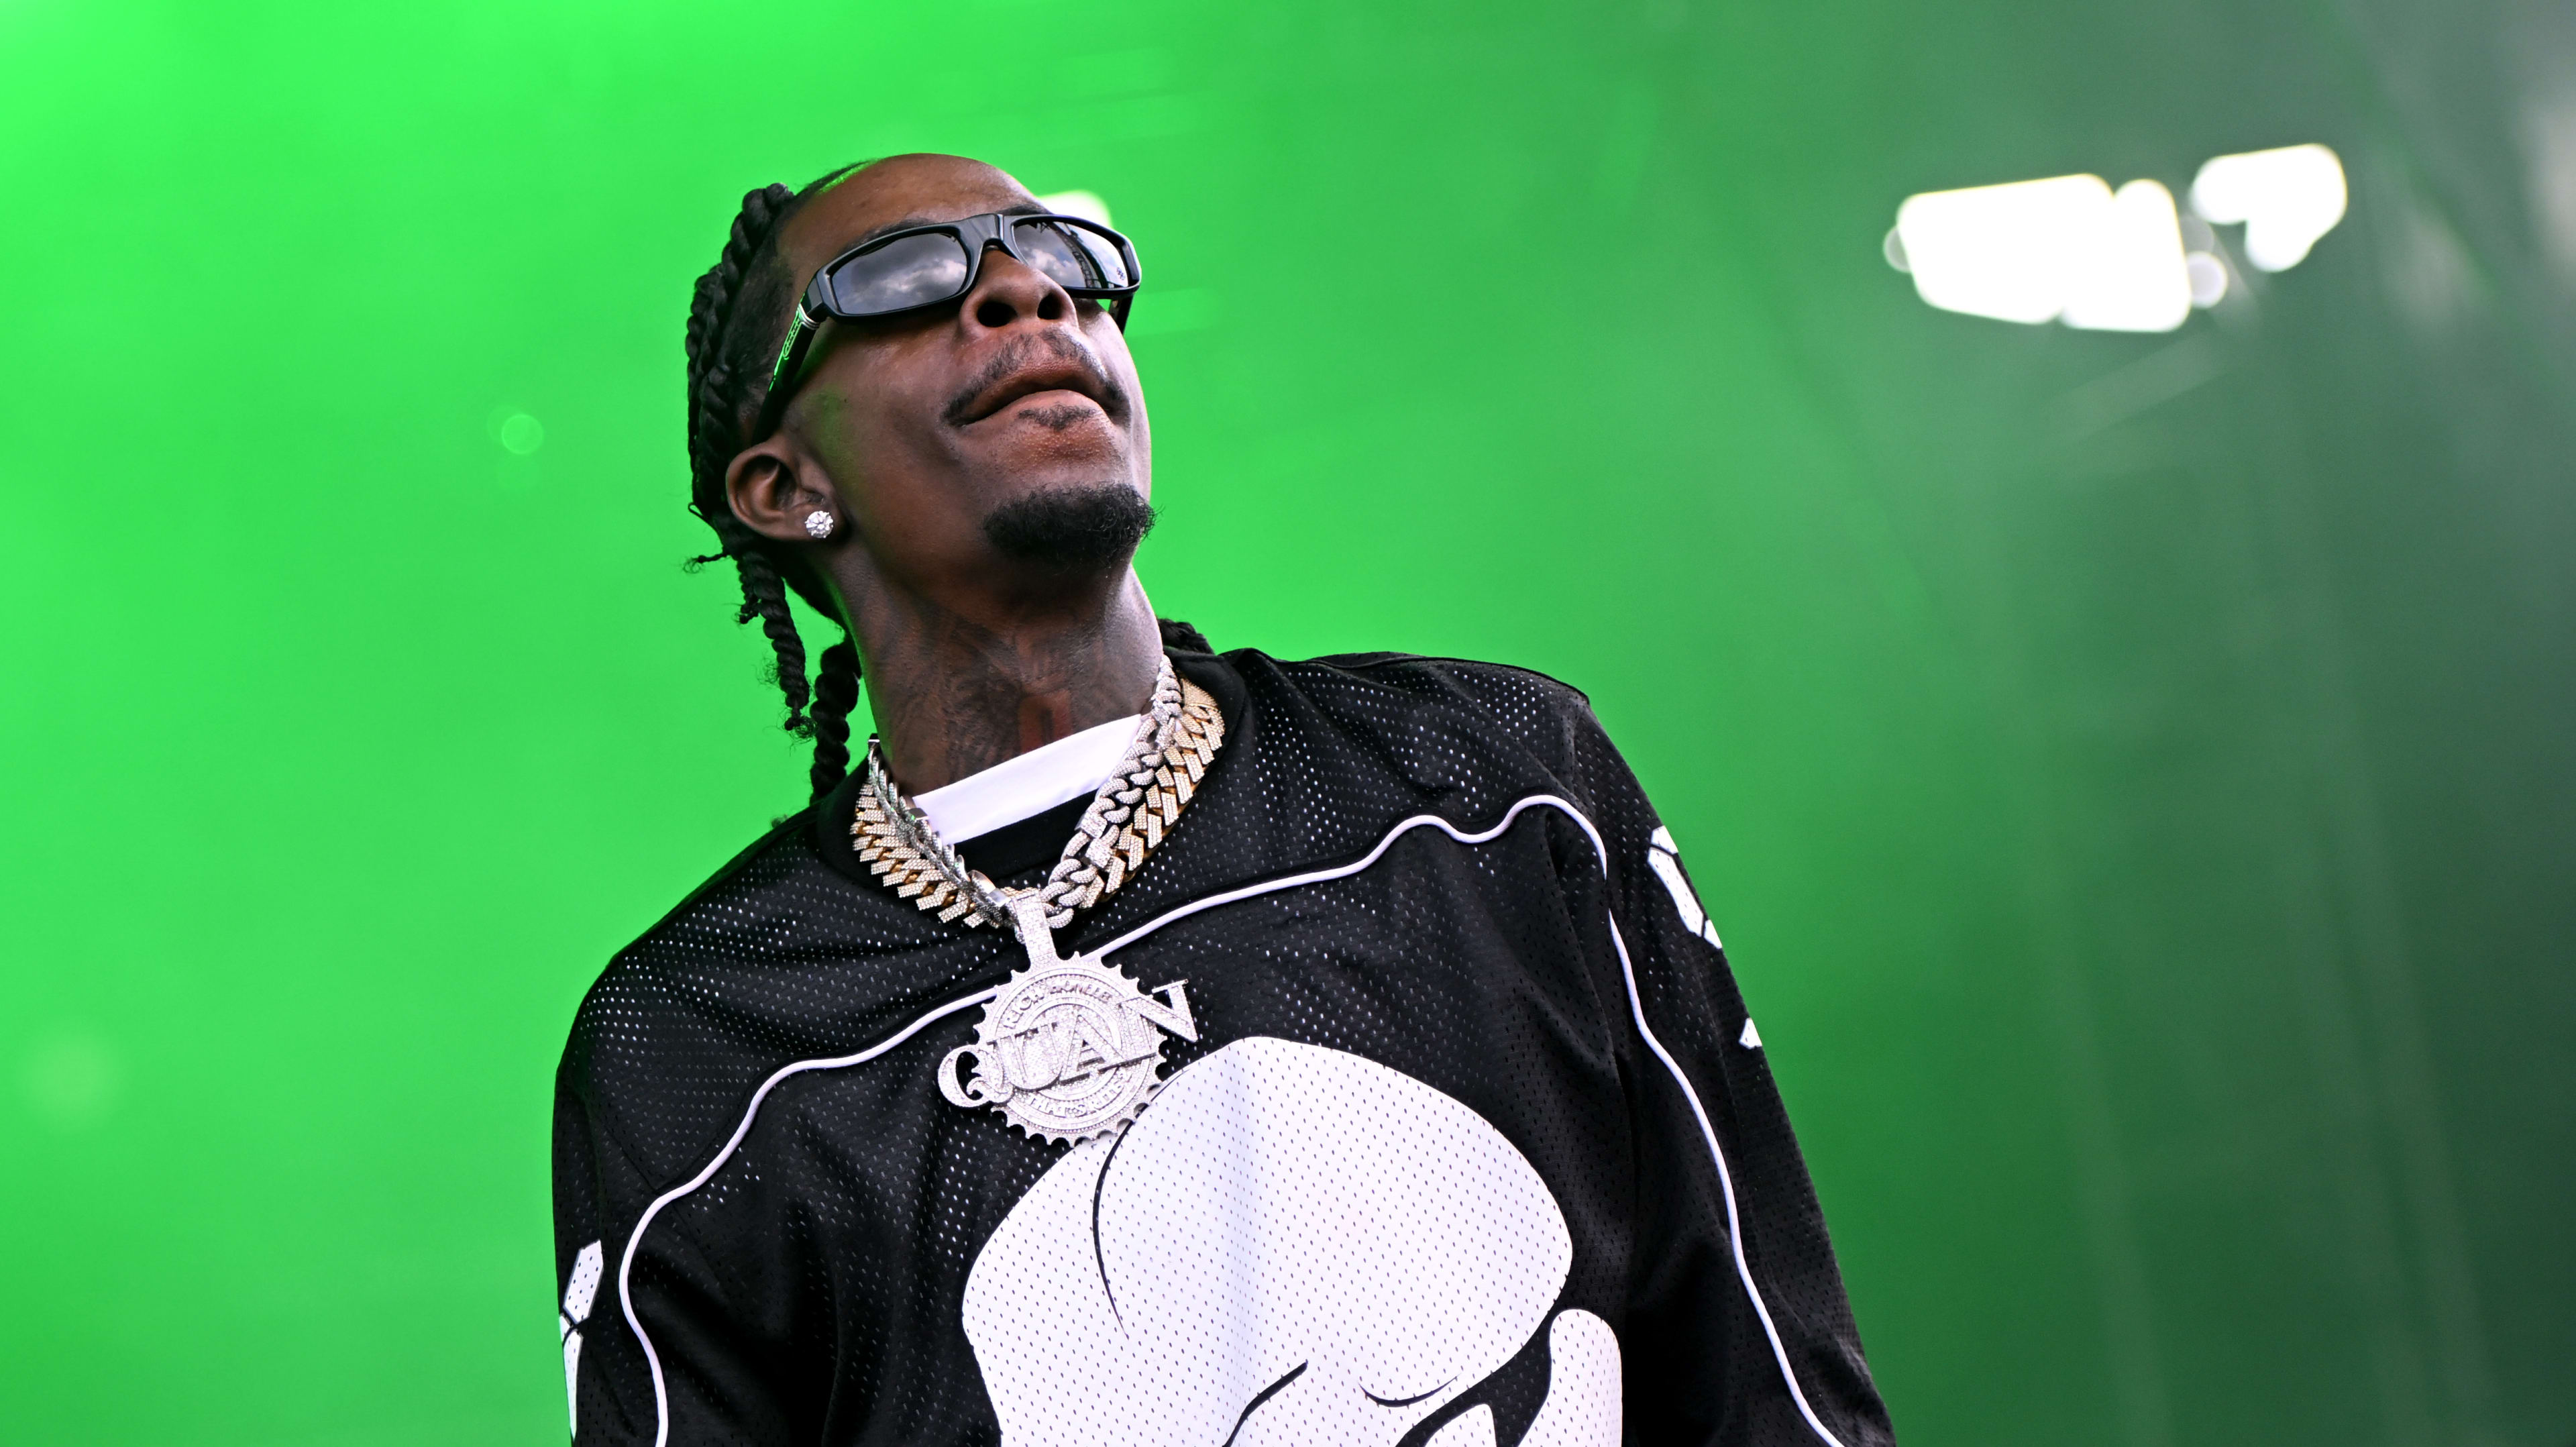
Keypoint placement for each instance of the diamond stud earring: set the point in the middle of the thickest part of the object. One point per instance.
(818, 525)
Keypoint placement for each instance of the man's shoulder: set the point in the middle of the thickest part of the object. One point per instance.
(720, 905)
(777, 957)
(1476, 734)
(1474, 675)
(1522, 707)
(753, 911)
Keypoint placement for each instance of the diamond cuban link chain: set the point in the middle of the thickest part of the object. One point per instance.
(1127, 819)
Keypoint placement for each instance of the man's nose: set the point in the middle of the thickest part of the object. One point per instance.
(1007, 292)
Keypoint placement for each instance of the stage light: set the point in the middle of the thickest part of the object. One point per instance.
(2130, 274)
(2067, 248)
(1997, 251)
(2287, 198)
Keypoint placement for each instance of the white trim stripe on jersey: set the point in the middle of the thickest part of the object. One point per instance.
(1636, 1009)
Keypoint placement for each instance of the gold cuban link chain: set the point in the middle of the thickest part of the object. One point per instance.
(1134, 808)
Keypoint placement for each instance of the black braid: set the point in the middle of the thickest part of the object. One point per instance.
(736, 317)
(764, 598)
(836, 692)
(1177, 634)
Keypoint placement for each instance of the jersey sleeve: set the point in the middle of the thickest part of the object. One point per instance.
(587, 1317)
(1739, 1331)
(708, 1370)
(1738, 1314)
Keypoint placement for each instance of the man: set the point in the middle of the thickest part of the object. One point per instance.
(1142, 1045)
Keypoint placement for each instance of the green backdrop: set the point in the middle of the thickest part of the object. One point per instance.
(2132, 772)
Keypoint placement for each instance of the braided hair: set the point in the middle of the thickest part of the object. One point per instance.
(737, 317)
(731, 316)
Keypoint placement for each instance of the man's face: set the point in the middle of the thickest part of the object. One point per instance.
(931, 426)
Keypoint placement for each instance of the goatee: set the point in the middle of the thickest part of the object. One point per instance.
(1072, 529)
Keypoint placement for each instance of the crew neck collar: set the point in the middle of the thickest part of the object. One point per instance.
(828, 821)
(1073, 767)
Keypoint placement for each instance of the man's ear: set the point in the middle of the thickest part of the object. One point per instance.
(774, 492)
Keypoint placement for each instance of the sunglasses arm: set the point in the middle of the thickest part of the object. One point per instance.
(791, 362)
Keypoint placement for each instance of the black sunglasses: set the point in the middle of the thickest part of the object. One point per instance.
(923, 266)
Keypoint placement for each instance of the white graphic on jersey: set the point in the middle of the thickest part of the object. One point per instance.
(1471, 1428)
(1582, 1406)
(1293, 1245)
(1665, 858)
(579, 1293)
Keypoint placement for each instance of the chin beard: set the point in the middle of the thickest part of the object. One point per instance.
(1072, 529)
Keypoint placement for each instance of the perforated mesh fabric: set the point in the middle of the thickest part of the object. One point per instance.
(824, 1284)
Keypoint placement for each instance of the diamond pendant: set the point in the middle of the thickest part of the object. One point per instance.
(1068, 1048)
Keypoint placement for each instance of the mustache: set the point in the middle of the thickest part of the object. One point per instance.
(1015, 356)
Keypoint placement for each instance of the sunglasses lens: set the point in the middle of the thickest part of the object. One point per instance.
(907, 272)
(1072, 257)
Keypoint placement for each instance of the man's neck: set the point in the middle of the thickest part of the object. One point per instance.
(960, 686)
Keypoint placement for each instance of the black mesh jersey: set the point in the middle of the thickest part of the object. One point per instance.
(1475, 1145)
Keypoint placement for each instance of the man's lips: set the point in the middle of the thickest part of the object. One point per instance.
(1009, 382)
(1051, 376)
(1051, 397)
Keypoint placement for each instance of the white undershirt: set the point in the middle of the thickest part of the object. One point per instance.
(1073, 767)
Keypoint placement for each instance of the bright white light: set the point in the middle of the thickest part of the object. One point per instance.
(2286, 198)
(2035, 251)
(2006, 252)
(2129, 274)
(1084, 204)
